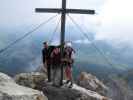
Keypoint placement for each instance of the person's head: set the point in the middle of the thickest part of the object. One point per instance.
(68, 44)
(45, 44)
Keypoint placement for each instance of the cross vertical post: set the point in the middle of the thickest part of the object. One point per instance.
(62, 40)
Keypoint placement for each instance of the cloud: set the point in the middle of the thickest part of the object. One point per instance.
(85, 41)
(117, 21)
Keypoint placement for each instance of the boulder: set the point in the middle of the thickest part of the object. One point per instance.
(91, 82)
(30, 79)
(9, 90)
(65, 93)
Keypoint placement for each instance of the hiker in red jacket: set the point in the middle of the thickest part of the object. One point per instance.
(56, 61)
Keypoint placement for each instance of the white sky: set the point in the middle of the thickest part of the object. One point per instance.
(22, 11)
(113, 22)
(117, 22)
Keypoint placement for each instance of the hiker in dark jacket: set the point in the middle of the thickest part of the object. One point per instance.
(47, 60)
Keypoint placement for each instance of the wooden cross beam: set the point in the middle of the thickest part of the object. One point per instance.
(63, 11)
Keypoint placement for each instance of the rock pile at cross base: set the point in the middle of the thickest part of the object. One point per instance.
(9, 90)
(37, 81)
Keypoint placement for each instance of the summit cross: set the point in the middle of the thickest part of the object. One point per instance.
(63, 11)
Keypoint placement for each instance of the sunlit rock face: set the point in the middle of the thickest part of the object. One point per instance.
(30, 79)
(91, 82)
(9, 90)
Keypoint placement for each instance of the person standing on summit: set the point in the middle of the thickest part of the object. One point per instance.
(68, 61)
(47, 60)
(56, 62)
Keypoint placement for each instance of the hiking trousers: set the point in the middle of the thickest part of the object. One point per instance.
(49, 72)
(56, 75)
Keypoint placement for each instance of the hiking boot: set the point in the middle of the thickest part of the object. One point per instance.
(67, 81)
(71, 85)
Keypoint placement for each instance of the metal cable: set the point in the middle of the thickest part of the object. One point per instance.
(27, 34)
(94, 45)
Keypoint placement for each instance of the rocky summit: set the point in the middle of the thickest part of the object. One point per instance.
(9, 90)
(74, 93)
(57, 93)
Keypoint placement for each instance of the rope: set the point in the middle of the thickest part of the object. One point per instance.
(27, 34)
(100, 52)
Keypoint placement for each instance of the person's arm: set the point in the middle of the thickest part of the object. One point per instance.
(72, 57)
(43, 56)
(64, 59)
(52, 54)
(73, 50)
